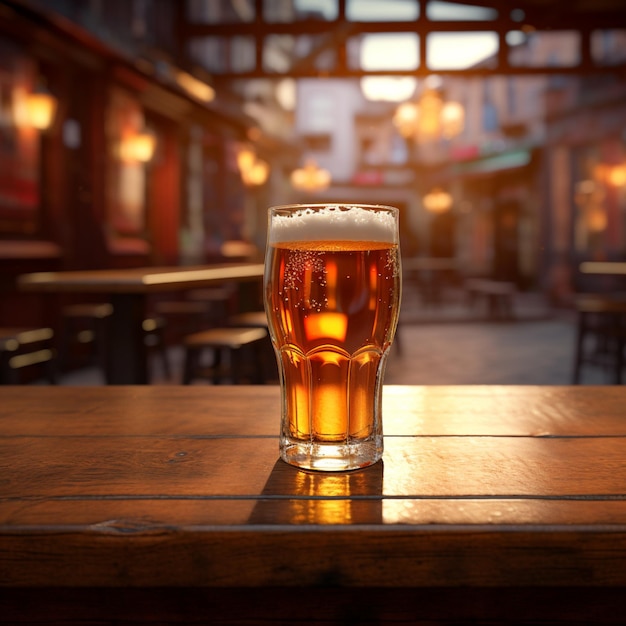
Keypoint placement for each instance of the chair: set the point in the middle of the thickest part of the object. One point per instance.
(236, 355)
(600, 335)
(22, 348)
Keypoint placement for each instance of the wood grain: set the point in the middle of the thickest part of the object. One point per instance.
(509, 489)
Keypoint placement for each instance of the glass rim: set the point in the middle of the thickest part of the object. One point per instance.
(297, 206)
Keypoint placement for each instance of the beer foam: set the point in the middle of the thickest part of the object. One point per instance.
(334, 223)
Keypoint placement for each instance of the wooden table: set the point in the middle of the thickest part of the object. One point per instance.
(127, 290)
(168, 504)
(609, 277)
(604, 267)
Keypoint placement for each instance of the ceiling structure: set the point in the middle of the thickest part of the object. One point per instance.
(257, 25)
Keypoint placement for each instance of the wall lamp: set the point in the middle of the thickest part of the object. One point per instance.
(40, 108)
(254, 171)
(138, 147)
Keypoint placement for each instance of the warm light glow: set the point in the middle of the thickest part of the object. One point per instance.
(617, 175)
(596, 219)
(311, 177)
(331, 284)
(195, 87)
(326, 326)
(452, 119)
(286, 94)
(589, 196)
(40, 109)
(245, 159)
(405, 118)
(331, 502)
(429, 118)
(254, 171)
(373, 301)
(257, 174)
(437, 201)
(139, 147)
(612, 174)
(588, 193)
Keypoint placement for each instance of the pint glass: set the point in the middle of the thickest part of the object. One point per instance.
(332, 296)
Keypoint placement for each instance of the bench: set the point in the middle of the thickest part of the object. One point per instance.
(22, 348)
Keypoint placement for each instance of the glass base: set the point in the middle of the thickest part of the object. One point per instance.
(331, 457)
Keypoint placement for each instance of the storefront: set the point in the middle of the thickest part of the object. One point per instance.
(586, 184)
(136, 166)
(498, 219)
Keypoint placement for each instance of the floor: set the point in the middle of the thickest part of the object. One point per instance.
(450, 343)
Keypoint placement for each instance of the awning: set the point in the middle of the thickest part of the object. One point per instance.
(496, 163)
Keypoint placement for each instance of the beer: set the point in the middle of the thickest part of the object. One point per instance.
(332, 295)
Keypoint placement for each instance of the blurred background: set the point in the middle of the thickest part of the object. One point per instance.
(141, 133)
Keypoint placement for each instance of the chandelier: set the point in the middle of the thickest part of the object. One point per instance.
(429, 118)
(311, 177)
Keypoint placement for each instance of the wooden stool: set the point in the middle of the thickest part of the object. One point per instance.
(258, 319)
(154, 339)
(21, 348)
(226, 343)
(603, 320)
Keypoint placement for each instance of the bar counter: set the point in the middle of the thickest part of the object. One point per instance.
(168, 504)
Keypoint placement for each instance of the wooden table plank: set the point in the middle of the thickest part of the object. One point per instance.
(99, 514)
(140, 410)
(224, 466)
(293, 556)
(407, 410)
